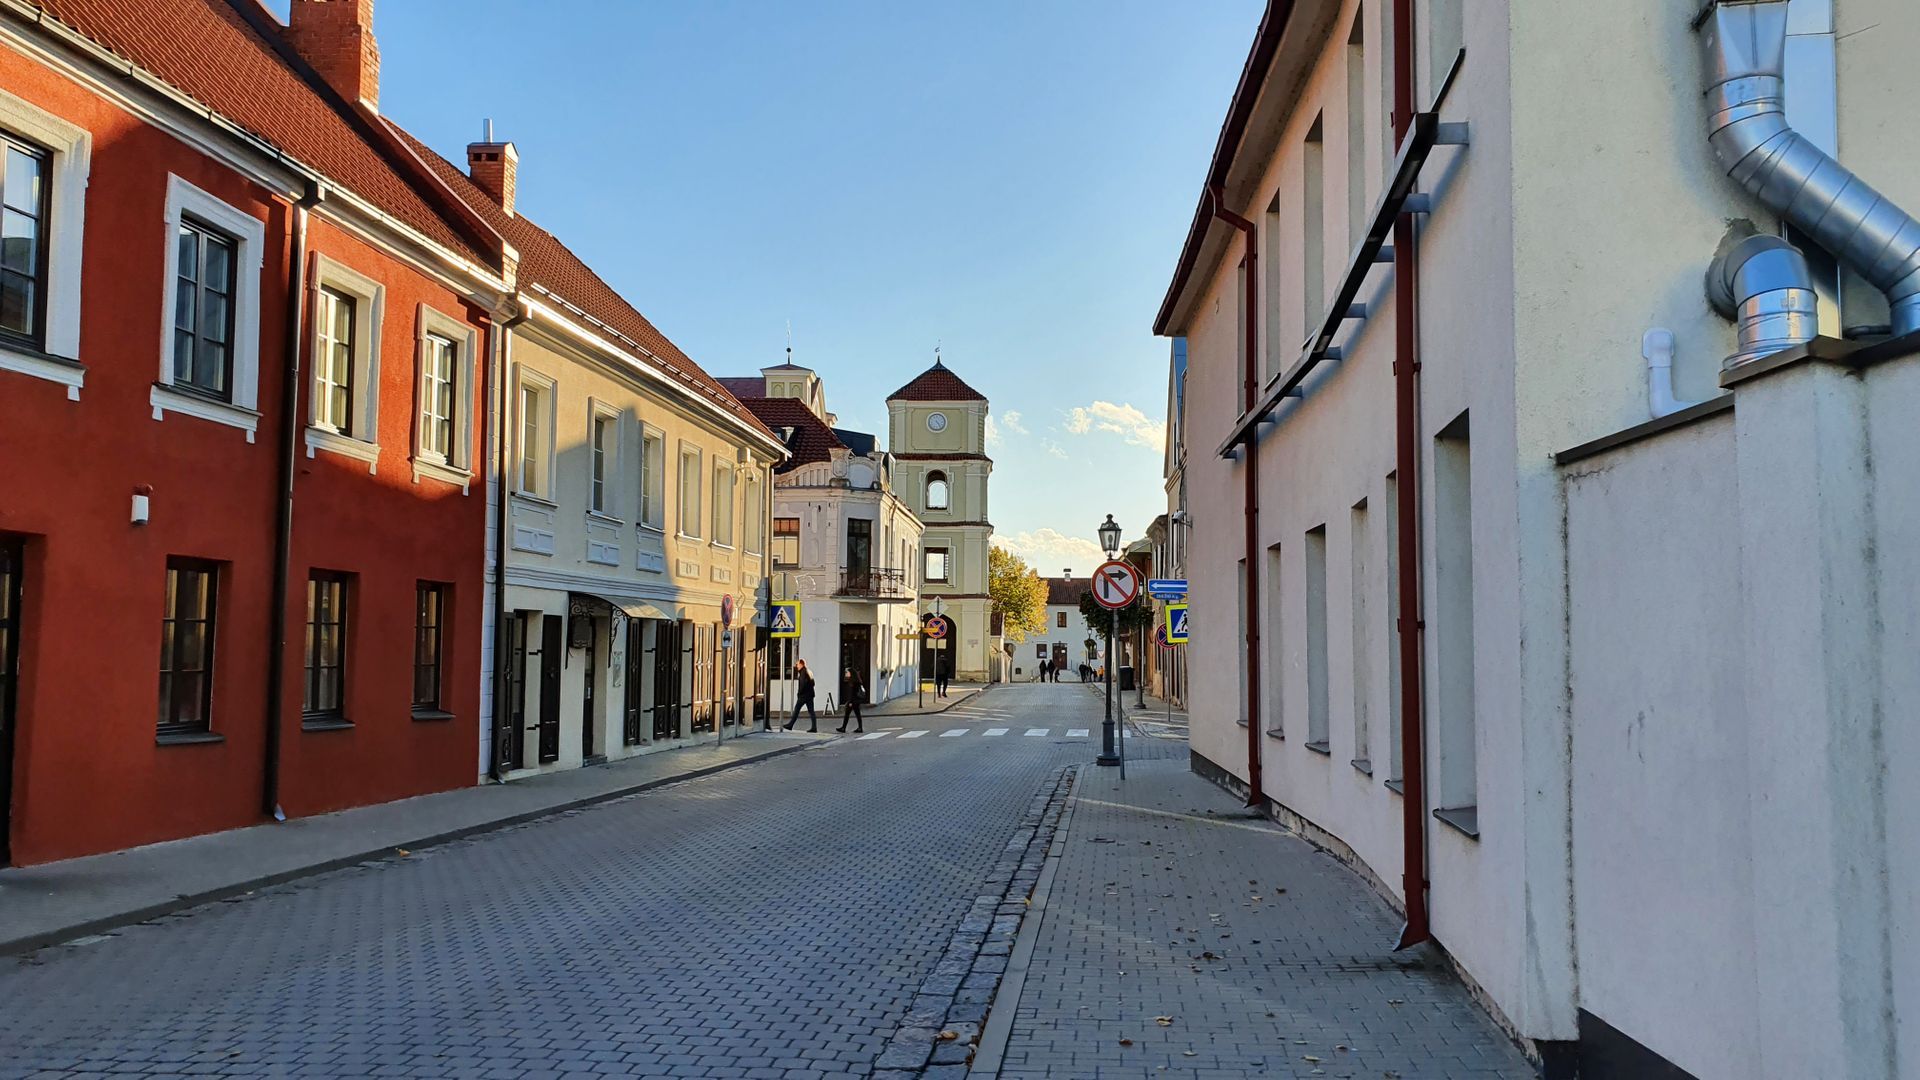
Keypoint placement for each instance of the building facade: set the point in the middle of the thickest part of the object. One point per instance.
(243, 358)
(1534, 585)
(937, 429)
(1066, 641)
(634, 523)
(844, 545)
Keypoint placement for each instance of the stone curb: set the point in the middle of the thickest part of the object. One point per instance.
(935, 1040)
(41, 939)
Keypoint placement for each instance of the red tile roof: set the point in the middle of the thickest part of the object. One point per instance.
(207, 50)
(812, 441)
(937, 383)
(547, 263)
(744, 386)
(1066, 590)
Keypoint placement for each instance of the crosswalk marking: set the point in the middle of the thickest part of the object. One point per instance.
(912, 734)
(1077, 733)
(1036, 732)
(873, 735)
(995, 731)
(954, 734)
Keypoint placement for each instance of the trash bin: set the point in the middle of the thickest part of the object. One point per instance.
(1126, 677)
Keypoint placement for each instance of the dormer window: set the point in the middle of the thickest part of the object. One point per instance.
(937, 491)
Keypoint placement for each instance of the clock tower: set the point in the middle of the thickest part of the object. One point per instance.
(937, 428)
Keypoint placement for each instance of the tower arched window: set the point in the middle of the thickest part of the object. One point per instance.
(936, 491)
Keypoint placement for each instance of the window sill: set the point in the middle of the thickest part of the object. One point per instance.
(319, 438)
(1464, 818)
(431, 715)
(166, 399)
(441, 471)
(1272, 732)
(531, 499)
(718, 546)
(325, 723)
(187, 738)
(1361, 764)
(657, 530)
(687, 538)
(26, 360)
(1321, 747)
(604, 518)
(1398, 787)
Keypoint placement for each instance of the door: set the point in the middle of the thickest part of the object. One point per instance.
(1059, 656)
(591, 672)
(553, 646)
(635, 701)
(856, 652)
(665, 646)
(860, 554)
(10, 575)
(513, 741)
(703, 718)
(936, 657)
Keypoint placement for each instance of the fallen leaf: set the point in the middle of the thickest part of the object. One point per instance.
(1188, 1053)
(949, 1036)
(1126, 1042)
(1308, 1058)
(1163, 1021)
(1208, 955)
(402, 851)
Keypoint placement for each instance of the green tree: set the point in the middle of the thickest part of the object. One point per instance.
(1019, 596)
(1135, 616)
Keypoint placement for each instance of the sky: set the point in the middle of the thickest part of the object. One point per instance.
(1008, 181)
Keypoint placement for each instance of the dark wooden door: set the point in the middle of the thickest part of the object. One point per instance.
(513, 741)
(591, 673)
(634, 704)
(860, 554)
(856, 652)
(11, 573)
(553, 647)
(666, 680)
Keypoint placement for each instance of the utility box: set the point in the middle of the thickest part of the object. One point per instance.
(1126, 677)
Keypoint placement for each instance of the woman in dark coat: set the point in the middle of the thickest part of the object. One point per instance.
(855, 690)
(803, 677)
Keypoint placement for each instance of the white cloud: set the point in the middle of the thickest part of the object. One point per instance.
(1054, 448)
(1049, 551)
(1011, 422)
(1129, 423)
(993, 431)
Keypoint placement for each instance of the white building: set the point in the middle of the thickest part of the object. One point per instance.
(1067, 640)
(937, 429)
(1616, 708)
(843, 544)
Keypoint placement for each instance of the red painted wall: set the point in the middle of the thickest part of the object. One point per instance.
(88, 774)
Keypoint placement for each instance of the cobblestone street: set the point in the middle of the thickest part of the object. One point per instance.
(777, 920)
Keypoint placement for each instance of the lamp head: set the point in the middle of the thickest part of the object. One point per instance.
(1110, 537)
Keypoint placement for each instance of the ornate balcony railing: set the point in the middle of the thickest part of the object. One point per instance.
(880, 584)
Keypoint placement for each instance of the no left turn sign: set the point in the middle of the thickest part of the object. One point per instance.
(1116, 584)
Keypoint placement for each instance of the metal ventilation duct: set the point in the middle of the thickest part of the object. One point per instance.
(1744, 42)
(1762, 283)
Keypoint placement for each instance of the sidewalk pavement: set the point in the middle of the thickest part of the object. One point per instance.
(1178, 934)
(55, 902)
(1154, 721)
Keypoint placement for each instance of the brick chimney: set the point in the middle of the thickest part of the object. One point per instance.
(336, 37)
(495, 167)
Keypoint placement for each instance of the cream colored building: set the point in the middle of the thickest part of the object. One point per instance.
(937, 429)
(843, 543)
(1576, 614)
(635, 512)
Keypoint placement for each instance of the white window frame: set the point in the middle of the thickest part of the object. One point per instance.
(70, 148)
(754, 542)
(457, 468)
(725, 503)
(699, 456)
(546, 387)
(369, 319)
(250, 237)
(654, 475)
(597, 412)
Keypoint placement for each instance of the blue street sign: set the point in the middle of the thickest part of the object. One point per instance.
(1176, 624)
(1167, 585)
(785, 619)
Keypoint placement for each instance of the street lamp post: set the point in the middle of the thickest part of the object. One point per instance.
(1109, 752)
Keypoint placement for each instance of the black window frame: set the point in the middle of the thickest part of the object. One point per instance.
(946, 564)
(429, 647)
(42, 217)
(317, 675)
(173, 672)
(206, 235)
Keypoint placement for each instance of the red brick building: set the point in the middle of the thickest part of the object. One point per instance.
(244, 341)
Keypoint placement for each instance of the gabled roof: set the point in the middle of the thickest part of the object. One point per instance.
(549, 265)
(812, 440)
(937, 383)
(215, 54)
(1066, 590)
(744, 386)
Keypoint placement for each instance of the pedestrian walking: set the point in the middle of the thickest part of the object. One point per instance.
(940, 676)
(803, 677)
(852, 691)
(1044, 669)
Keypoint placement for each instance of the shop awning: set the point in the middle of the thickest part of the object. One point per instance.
(628, 605)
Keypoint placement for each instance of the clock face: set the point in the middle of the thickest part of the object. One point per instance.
(936, 422)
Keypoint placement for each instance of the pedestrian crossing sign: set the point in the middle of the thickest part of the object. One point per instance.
(785, 619)
(1176, 624)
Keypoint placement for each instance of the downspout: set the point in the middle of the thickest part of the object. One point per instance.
(1744, 43)
(1249, 395)
(283, 515)
(503, 364)
(1406, 417)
